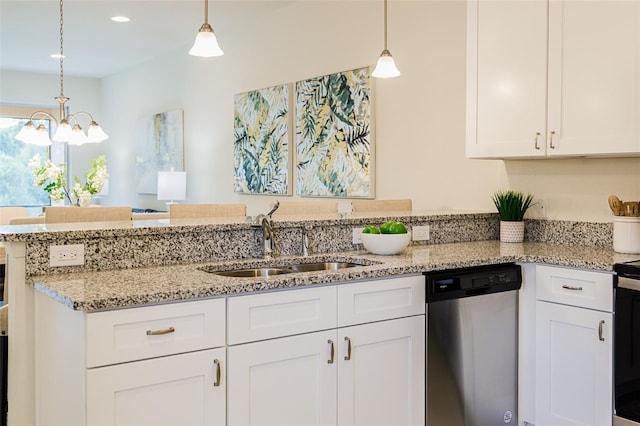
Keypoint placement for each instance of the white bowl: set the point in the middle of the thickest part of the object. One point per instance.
(386, 244)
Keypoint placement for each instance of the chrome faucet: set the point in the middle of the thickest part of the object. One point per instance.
(264, 221)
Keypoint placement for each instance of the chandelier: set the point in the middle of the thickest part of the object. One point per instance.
(65, 132)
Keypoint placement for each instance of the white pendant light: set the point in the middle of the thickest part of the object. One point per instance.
(64, 131)
(386, 67)
(206, 44)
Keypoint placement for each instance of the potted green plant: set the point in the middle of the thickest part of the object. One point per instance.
(512, 205)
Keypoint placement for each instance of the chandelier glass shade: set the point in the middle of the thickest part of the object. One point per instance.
(65, 132)
(206, 44)
(386, 66)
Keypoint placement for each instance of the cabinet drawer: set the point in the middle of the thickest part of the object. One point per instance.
(283, 313)
(147, 332)
(585, 289)
(381, 300)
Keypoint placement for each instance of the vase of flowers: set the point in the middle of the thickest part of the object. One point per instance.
(512, 205)
(52, 178)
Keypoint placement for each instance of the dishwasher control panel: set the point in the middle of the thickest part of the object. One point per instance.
(475, 281)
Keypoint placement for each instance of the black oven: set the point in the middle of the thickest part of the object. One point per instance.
(627, 342)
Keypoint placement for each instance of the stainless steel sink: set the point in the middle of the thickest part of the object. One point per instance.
(322, 266)
(252, 272)
(281, 269)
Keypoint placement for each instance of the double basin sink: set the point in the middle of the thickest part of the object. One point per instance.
(284, 269)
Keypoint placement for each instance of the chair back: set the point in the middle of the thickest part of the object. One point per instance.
(201, 210)
(55, 214)
(359, 206)
(8, 213)
(305, 207)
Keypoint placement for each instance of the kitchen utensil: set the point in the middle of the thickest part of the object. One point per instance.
(616, 205)
(630, 208)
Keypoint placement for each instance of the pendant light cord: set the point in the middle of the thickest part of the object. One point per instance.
(385, 24)
(61, 53)
(206, 11)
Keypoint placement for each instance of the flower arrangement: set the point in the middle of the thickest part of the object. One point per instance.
(52, 178)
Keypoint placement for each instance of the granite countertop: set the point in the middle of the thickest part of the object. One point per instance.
(123, 288)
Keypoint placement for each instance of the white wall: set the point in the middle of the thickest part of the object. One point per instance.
(419, 116)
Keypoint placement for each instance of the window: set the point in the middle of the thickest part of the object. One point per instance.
(16, 181)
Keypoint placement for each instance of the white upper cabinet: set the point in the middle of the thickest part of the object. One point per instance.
(553, 78)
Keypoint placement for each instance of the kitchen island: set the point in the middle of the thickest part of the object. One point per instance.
(155, 262)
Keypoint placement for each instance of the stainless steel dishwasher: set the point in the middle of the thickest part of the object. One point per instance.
(472, 345)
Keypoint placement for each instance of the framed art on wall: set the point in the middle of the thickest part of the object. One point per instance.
(261, 141)
(334, 142)
(159, 147)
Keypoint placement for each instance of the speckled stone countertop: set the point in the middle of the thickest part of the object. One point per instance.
(114, 289)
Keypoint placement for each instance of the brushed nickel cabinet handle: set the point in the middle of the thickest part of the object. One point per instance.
(537, 141)
(601, 331)
(330, 361)
(572, 287)
(160, 332)
(551, 135)
(348, 340)
(216, 363)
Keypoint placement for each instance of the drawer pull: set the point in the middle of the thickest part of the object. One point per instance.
(537, 145)
(330, 361)
(348, 340)
(600, 331)
(216, 362)
(160, 332)
(572, 287)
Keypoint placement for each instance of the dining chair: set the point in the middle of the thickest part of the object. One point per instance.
(68, 214)
(359, 206)
(305, 207)
(203, 210)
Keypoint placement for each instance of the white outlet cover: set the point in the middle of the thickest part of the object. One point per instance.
(66, 255)
(356, 235)
(420, 233)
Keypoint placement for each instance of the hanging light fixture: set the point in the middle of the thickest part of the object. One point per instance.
(386, 67)
(206, 44)
(64, 131)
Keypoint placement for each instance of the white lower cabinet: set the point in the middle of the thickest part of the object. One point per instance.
(381, 376)
(574, 348)
(286, 381)
(186, 389)
(360, 375)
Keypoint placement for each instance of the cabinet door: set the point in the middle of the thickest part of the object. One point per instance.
(381, 373)
(506, 78)
(574, 363)
(286, 381)
(187, 389)
(594, 77)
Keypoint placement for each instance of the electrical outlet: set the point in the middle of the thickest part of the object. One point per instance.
(356, 235)
(420, 233)
(66, 255)
(538, 210)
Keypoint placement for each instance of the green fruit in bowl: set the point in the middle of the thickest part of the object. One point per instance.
(371, 229)
(392, 227)
(398, 228)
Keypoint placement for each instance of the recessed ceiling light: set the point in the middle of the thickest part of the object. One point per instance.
(56, 56)
(120, 19)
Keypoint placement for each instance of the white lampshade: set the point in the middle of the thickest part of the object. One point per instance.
(63, 132)
(95, 133)
(172, 186)
(206, 45)
(77, 136)
(28, 133)
(42, 136)
(386, 67)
